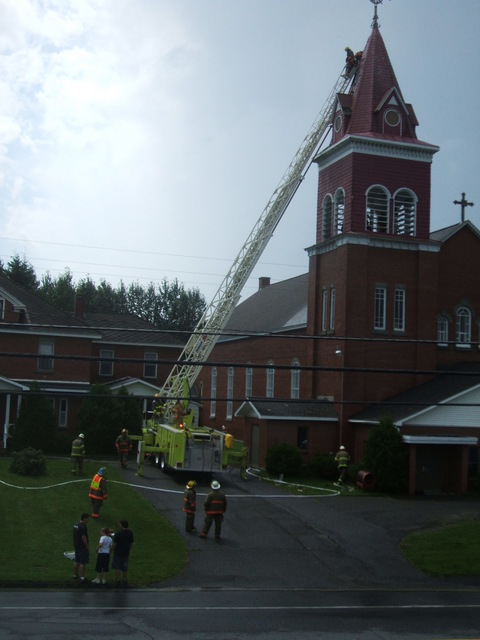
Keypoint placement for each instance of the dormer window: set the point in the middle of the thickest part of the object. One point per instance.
(392, 117)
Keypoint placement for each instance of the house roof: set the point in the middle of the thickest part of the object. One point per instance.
(445, 385)
(124, 328)
(319, 411)
(442, 235)
(36, 312)
(274, 308)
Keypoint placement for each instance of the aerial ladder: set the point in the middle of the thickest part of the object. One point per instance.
(217, 314)
(176, 388)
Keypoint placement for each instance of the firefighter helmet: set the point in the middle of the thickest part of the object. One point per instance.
(215, 485)
(80, 435)
(342, 448)
(191, 484)
(102, 471)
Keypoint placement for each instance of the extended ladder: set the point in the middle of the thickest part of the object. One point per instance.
(216, 315)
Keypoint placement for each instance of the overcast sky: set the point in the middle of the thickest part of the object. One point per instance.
(142, 139)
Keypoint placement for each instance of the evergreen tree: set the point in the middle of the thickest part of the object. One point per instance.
(19, 270)
(386, 457)
(35, 425)
(101, 418)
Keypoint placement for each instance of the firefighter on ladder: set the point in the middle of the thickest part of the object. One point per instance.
(123, 445)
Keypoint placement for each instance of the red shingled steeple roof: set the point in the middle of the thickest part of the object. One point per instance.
(376, 89)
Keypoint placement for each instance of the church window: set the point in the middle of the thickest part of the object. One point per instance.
(332, 308)
(327, 208)
(270, 380)
(377, 210)
(404, 213)
(399, 310)
(379, 320)
(442, 330)
(248, 382)
(463, 327)
(338, 123)
(324, 309)
(230, 393)
(213, 393)
(392, 117)
(295, 381)
(339, 211)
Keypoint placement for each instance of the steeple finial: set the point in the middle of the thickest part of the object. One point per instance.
(375, 24)
(463, 203)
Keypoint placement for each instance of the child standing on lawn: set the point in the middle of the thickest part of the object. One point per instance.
(103, 556)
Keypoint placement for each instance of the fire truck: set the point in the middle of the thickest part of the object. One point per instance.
(170, 436)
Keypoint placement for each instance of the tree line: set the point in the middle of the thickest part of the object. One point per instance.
(167, 305)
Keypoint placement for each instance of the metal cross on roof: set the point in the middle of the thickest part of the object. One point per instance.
(463, 203)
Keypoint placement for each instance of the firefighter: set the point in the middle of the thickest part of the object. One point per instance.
(215, 506)
(78, 453)
(190, 505)
(98, 491)
(349, 60)
(178, 413)
(342, 459)
(123, 445)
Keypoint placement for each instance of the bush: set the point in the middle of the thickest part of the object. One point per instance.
(386, 457)
(29, 462)
(283, 458)
(323, 466)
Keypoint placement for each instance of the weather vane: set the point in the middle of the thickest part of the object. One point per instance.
(375, 15)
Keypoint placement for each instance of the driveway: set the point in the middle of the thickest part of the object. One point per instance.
(272, 539)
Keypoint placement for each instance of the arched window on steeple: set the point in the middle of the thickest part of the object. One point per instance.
(378, 201)
(404, 213)
(327, 209)
(339, 211)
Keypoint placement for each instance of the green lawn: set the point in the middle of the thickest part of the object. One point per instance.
(38, 514)
(451, 550)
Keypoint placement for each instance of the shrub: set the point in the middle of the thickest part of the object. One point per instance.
(386, 457)
(323, 466)
(29, 462)
(283, 458)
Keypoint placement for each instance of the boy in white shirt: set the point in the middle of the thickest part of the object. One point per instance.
(103, 556)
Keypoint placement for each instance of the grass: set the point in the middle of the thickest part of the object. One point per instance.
(451, 550)
(38, 514)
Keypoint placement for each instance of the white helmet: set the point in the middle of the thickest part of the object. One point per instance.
(342, 448)
(215, 485)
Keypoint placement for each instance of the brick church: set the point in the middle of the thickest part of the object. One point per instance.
(385, 322)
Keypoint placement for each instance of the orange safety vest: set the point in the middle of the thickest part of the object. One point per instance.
(98, 490)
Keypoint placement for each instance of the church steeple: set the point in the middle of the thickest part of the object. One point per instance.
(374, 178)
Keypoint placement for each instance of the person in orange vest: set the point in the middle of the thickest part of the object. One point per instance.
(215, 506)
(98, 491)
(123, 445)
(190, 505)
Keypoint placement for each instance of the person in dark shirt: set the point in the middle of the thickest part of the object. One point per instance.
(80, 544)
(122, 544)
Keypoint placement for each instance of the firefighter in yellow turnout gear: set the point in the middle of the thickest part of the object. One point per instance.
(215, 506)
